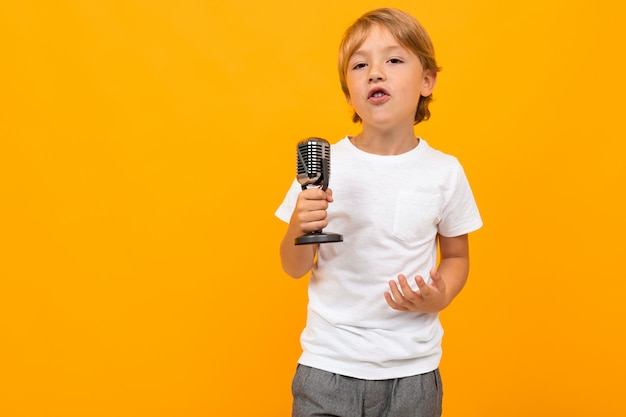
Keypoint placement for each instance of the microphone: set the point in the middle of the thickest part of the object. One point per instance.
(313, 170)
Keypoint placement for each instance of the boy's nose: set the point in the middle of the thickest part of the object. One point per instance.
(376, 75)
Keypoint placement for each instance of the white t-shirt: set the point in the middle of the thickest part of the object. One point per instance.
(389, 209)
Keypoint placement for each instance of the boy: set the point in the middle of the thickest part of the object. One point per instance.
(372, 343)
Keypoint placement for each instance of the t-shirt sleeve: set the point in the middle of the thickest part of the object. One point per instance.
(286, 208)
(460, 213)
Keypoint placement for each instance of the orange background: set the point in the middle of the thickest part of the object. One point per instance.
(146, 144)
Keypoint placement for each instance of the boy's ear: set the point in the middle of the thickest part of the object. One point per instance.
(430, 79)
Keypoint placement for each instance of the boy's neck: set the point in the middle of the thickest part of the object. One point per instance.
(386, 142)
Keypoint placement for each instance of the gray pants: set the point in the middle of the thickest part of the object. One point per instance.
(324, 394)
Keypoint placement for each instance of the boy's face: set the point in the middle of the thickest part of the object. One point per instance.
(386, 80)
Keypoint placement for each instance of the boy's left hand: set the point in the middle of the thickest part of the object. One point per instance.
(427, 299)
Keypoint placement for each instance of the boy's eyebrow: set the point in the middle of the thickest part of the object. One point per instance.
(387, 49)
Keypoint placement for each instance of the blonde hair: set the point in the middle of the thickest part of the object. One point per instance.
(407, 30)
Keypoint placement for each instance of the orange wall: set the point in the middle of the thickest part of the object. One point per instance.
(144, 146)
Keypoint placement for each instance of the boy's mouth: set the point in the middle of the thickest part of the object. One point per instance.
(377, 94)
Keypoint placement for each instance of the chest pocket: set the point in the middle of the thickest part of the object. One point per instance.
(416, 218)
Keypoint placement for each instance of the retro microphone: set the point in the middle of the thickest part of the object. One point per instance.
(314, 170)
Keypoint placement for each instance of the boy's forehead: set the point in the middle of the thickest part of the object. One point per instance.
(378, 37)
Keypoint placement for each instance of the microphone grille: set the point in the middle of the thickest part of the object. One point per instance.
(311, 156)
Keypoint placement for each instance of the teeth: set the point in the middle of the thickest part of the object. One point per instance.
(378, 94)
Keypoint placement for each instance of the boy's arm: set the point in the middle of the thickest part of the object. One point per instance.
(453, 265)
(447, 280)
(309, 215)
(296, 260)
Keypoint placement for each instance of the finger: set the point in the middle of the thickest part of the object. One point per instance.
(392, 303)
(314, 216)
(437, 280)
(424, 289)
(395, 292)
(408, 292)
(435, 275)
(314, 194)
(329, 195)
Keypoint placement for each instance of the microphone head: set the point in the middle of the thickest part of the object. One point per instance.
(313, 165)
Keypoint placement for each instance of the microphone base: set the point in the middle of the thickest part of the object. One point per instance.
(318, 237)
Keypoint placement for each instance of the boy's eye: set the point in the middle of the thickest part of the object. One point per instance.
(395, 60)
(358, 66)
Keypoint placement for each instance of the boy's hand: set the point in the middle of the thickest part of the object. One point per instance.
(427, 299)
(311, 209)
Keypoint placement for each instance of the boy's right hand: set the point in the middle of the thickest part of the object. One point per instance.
(311, 209)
